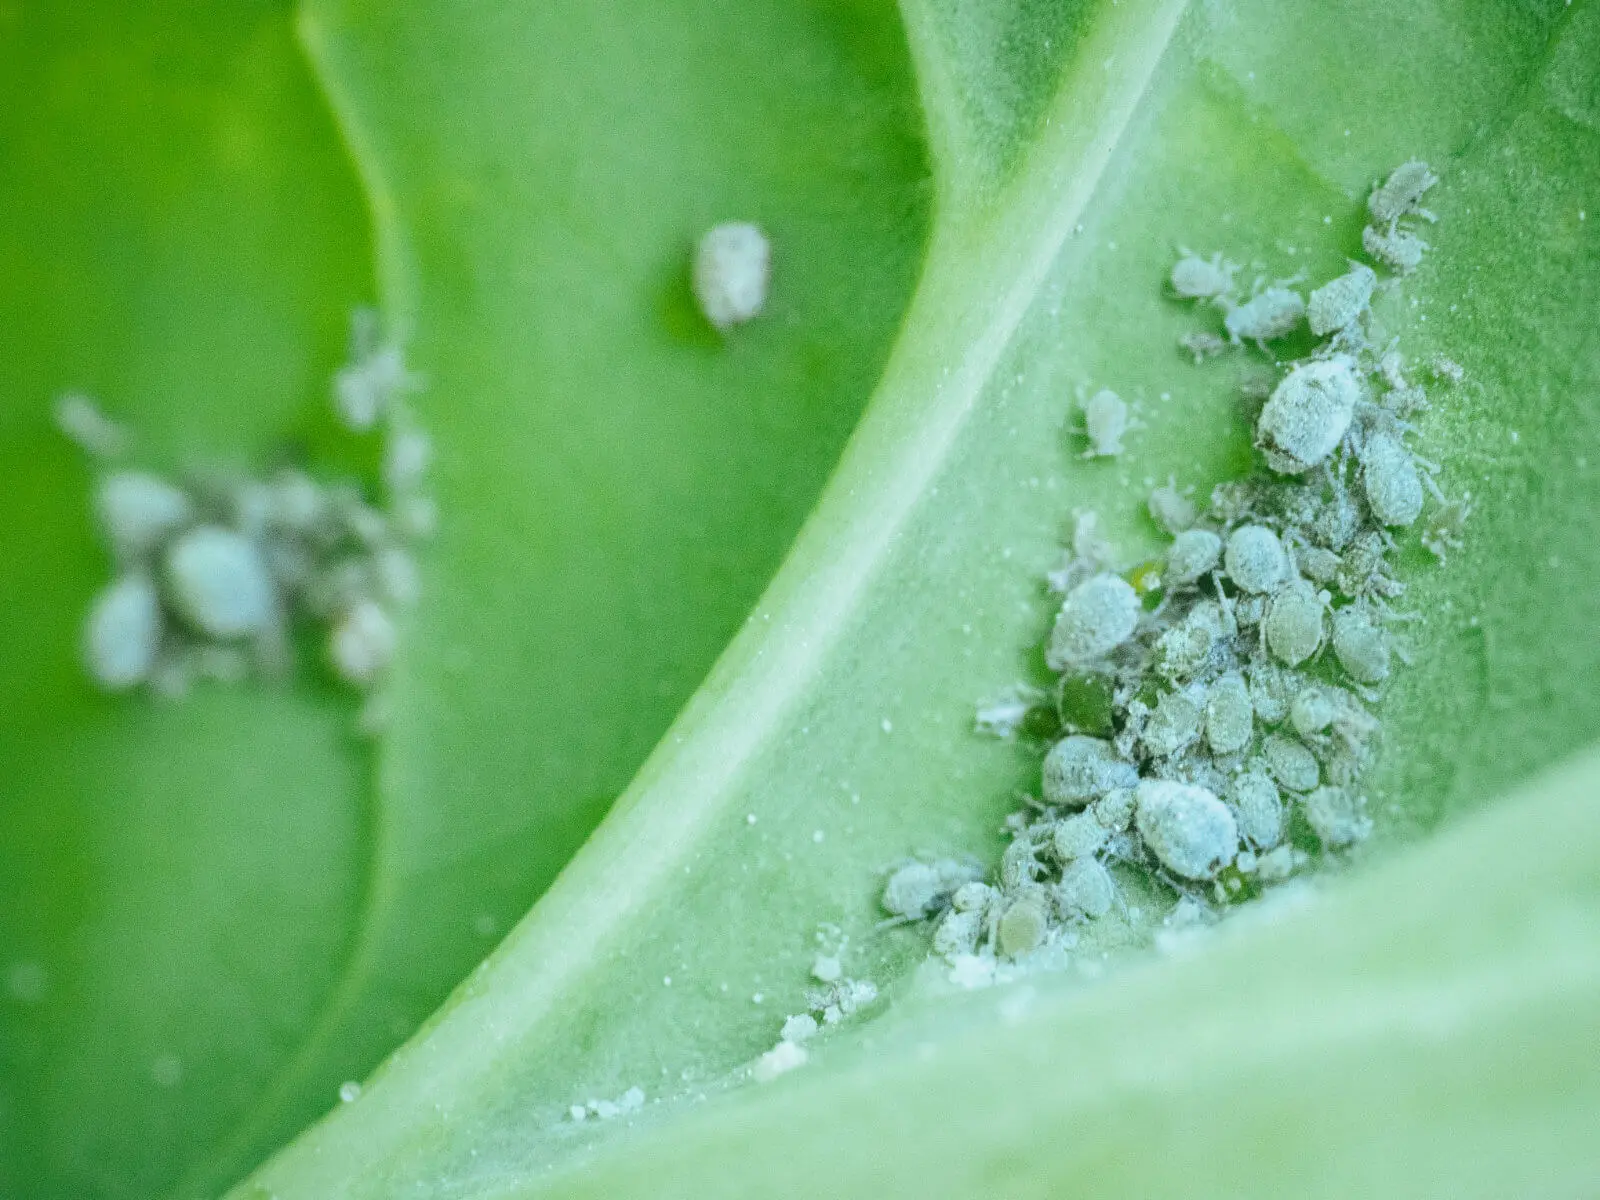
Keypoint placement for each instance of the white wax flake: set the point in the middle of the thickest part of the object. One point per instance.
(826, 968)
(732, 268)
(349, 1092)
(780, 1060)
(798, 1028)
(367, 388)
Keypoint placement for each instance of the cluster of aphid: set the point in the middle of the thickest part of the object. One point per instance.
(212, 571)
(1214, 702)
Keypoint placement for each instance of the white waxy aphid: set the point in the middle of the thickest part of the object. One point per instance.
(1186, 827)
(1022, 926)
(974, 897)
(1319, 564)
(1079, 769)
(1202, 345)
(366, 388)
(1360, 644)
(1085, 890)
(1114, 810)
(1196, 278)
(1186, 649)
(1293, 626)
(1272, 690)
(219, 583)
(123, 633)
(1105, 419)
(1291, 764)
(1314, 710)
(732, 267)
(1339, 302)
(295, 502)
(139, 511)
(1336, 816)
(912, 890)
(957, 933)
(780, 1060)
(1259, 809)
(1255, 559)
(1308, 414)
(363, 643)
(1078, 836)
(1096, 617)
(406, 455)
(1193, 553)
(1390, 479)
(1230, 717)
(1171, 509)
(1399, 195)
(799, 1028)
(97, 435)
(1337, 521)
(1266, 316)
(1173, 725)
(1399, 250)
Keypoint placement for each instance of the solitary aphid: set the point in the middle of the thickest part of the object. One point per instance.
(1266, 316)
(1258, 808)
(1230, 717)
(362, 644)
(1085, 890)
(1399, 195)
(1308, 415)
(1079, 769)
(1291, 764)
(139, 511)
(1293, 628)
(1202, 345)
(732, 267)
(123, 633)
(1186, 827)
(1360, 644)
(96, 434)
(1399, 250)
(1390, 479)
(1336, 816)
(219, 583)
(1105, 420)
(1196, 278)
(1255, 559)
(1339, 302)
(1097, 616)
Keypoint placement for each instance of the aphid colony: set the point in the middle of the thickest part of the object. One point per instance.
(1211, 708)
(213, 570)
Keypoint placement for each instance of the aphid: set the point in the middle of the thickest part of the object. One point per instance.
(1291, 764)
(957, 933)
(780, 1060)
(1105, 419)
(1202, 345)
(1078, 836)
(1363, 568)
(1255, 560)
(1341, 301)
(1258, 808)
(1336, 816)
(1360, 644)
(1193, 553)
(1196, 278)
(295, 503)
(1186, 649)
(1272, 690)
(1230, 717)
(1085, 890)
(362, 644)
(1171, 509)
(1079, 769)
(1313, 711)
(732, 268)
(123, 633)
(1337, 520)
(1446, 524)
(395, 574)
(918, 887)
(1308, 415)
(799, 1028)
(1186, 827)
(1022, 926)
(1114, 810)
(1293, 626)
(1097, 616)
(1319, 564)
(973, 897)
(1398, 249)
(1172, 726)
(139, 511)
(97, 435)
(365, 389)
(219, 583)
(1390, 479)
(1398, 196)
(1266, 316)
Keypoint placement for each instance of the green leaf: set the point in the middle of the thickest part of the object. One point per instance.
(237, 904)
(834, 735)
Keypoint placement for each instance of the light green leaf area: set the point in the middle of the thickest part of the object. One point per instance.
(834, 738)
(213, 912)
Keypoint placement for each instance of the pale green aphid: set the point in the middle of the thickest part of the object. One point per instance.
(1336, 817)
(1293, 628)
(1255, 559)
(1258, 808)
(1229, 717)
(1398, 196)
(1079, 769)
(1266, 316)
(1193, 553)
(1105, 419)
(1172, 726)
(1399, 250)
(123, 633)
(1360, 644)
(1085, 889)
(731, 271)
(138, 511)
(1308, 414)
(1291, 764)
(1186, 827)
(1023, 926)
(219, 583)
(1390, 479)
(1340, 302)
(1097, 616)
